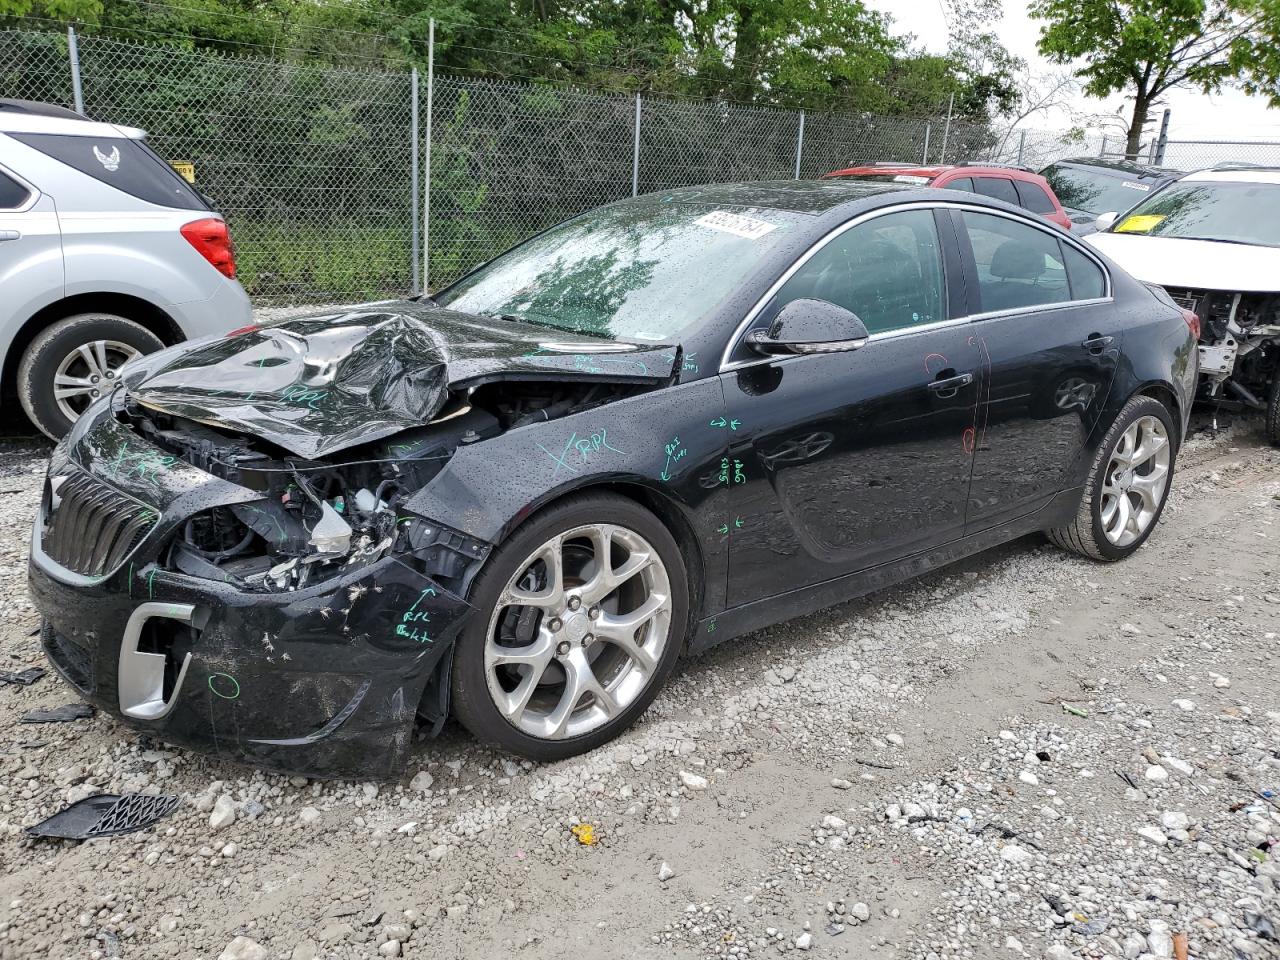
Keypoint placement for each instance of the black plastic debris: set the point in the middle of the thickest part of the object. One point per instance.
(1261, 925)
(106, 815)
(62, 714)
(24, 678)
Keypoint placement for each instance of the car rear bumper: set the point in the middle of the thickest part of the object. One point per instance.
(228, 309)
(317, 681)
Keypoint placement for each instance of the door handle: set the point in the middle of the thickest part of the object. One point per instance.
(1096, 343)
(9, 235)
(950, 386)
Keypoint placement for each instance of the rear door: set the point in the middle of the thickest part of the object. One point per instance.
(1049, 339)
(842, 461)
(31, 273)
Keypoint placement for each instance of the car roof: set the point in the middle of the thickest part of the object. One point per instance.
(794, 196)
(935, 170)
(1236, 174)
(32, 116)
(1119, 168)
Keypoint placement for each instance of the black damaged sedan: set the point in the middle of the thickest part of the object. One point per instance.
(651, 429)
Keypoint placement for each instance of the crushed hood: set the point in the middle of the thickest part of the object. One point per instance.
(317, 385)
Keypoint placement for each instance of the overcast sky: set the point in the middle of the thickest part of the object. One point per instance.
(1229, 115)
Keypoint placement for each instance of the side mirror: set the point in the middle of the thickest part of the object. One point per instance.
(1106, 219)
(810, 326)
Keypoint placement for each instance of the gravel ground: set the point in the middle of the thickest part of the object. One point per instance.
(1025, 755)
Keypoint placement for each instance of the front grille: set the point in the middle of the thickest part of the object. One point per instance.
(93, 528)
(75, 662)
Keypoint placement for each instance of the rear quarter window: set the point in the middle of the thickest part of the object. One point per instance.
(12, 193)
(1033, 197)
(999, 188)
(1086, 277)
(959, 183)
(127, 165)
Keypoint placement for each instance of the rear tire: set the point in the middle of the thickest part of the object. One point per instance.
(1101, 529)
(1273, 410)
(528, 666)
(74, 350)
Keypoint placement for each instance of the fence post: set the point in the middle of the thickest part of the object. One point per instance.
(1022, 145)
(924, 160)
(73, 54)
(799, 145)
(1102, 150)
(946, 131)
(414, 257)
(635, 152)
(1163, 140)
(426, 187)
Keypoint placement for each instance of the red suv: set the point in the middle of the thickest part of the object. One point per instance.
(1015, 185)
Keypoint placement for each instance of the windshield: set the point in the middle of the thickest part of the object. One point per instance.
(640, 270)
(1229, 212)
(1095, 193)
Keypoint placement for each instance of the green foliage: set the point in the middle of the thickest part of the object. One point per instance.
(816, 54)
(1146, 47)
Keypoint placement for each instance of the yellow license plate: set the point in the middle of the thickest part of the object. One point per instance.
(185, 169)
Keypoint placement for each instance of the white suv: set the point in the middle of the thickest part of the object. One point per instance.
(1212, 240)
(105, 253)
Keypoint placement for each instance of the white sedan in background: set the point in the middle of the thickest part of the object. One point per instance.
(1212, 240)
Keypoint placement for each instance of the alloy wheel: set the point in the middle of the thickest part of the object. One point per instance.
(578, 632)
(1134, 484)
(88, 372)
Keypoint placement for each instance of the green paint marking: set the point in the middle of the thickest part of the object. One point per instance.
(150, 589)
(235, 684)
(131, 578)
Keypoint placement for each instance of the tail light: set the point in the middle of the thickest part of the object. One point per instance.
(1193, 321)
(212, 240)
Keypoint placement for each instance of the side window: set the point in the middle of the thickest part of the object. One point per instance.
(1018, 265)
(1033, 197)
(1087, 280)
(960, 183)
(887, 270)
(998, 188)
(12, 193)
(128, 165)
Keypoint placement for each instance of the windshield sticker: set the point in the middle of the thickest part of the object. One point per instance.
(1142, 223)
(1135, 186)
(735, 223)
(910, 178)
(111, 161)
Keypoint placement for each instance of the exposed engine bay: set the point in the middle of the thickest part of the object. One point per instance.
(320, 518)
(1239, 343)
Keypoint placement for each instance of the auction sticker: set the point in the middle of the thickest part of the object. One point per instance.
(735, 223)
(1135, 186)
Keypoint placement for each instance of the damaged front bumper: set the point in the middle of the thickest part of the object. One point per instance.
(324, 680)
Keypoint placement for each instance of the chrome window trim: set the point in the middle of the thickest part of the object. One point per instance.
(740, 331)
(33, 193)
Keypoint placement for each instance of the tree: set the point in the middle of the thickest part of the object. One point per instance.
(1144, 48)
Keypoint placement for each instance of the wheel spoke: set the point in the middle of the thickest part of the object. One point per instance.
(1120, 519)
(68, 386)
(89, 355)
(1109, 508)
(607, 578)
(1151, 445)
(580, 679)
(531, 660)
(552, 595)
(1150, 486)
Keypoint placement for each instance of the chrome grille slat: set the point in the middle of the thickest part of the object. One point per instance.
(94, 528)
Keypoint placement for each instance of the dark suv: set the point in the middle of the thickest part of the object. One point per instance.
(1089, 186)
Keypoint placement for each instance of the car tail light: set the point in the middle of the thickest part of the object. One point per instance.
(1193, 321)
(212, 240)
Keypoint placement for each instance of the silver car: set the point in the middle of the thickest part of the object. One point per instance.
(105, 253)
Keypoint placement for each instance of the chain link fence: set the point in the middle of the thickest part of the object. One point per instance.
(314, 167)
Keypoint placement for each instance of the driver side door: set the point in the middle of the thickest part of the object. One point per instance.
(842, 461)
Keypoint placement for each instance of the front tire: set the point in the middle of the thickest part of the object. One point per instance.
(1127, 487)
(580, 617)
(73, 362)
